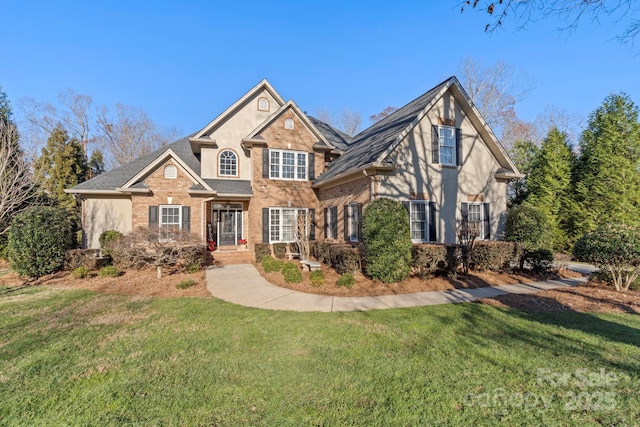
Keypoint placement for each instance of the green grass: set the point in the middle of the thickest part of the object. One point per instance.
(71, 357)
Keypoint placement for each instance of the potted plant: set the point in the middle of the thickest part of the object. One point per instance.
(242, 243)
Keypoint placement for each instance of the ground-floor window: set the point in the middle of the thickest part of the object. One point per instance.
(170, 221)
(476, 220)
(419, 220)
(354, 223)
(286, 223)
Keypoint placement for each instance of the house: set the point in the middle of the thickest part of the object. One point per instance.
(263, 162)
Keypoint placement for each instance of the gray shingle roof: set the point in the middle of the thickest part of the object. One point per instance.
(337, 138)
(368, 145)
(117, 177)
(227, 186)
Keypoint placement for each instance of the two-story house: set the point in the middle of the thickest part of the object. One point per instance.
(263, 162)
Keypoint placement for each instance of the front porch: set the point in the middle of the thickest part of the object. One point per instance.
(226, 232)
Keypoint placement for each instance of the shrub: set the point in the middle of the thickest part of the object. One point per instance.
(186, 284)
(291, 273)
(495, 256)
(280, 250)
(540, 260)
(80, 272)
(38, 239)
(109, 271)
(193, 267)
(270, 265)
(387, 240)
(106, 237)
(75, 258)
(317, 278)
(427, 259)
(344, 258)
(614, 248)
(262, 250)
(347, 280)
(528, 226)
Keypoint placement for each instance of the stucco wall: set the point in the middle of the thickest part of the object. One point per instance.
(448, 186)
(104, 213)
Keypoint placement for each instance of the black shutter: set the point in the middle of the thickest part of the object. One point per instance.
(487, 221)
(435, 144)
(186, 218)
(346, 223)
(326, 222)
(458, 146)
(359, 217)
(432, 222)
(153, 216)
(407, 206)
(265, 225)
(334, 221)
(311, 167)
(265, 163)
(464, 208)
(312, 224)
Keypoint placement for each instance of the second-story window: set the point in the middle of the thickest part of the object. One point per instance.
(263, 104)
(284, 164)
(228, 163)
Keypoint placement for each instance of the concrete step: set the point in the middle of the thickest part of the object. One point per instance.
(229, 257)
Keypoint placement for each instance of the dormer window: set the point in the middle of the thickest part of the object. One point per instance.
(288, 123)
(170, 172)
(263, 104)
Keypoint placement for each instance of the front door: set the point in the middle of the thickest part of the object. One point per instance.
(228, 224)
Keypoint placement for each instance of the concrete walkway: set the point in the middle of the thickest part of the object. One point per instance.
(242, 284)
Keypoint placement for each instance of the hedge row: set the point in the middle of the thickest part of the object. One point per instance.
(343, 258)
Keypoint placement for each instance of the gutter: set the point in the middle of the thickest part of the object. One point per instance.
(385, 167)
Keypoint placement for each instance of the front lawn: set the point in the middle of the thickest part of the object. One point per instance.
(73, 357)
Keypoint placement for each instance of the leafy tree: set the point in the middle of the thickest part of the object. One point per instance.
(387, 240)
(38, 239)
(528, 226)
(548, 184)
(614, 248)
(606, 182)
(61, 165)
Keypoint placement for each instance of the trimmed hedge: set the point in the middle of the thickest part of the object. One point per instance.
(280, 250)
(428, 259)
(262, 250)
(341, 257)
(270, 264)
(494, 256)
(291, 273)
(87, 258)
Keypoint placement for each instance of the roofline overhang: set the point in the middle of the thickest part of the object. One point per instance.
(204, 141)
(370, 169)
(203, 192)
(253, 142)
(508, 175)
(232, 196)
(97, 192)
(133, 190)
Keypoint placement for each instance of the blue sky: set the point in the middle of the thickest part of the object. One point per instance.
(185, 62)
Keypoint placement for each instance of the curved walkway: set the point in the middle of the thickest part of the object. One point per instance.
(242, 284)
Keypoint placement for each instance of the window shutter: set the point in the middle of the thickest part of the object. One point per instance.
(359, 213)
(265, 225)
(464, 208)
(334, 221)
(487, 221)
(265, 165)
(153, 216)
(407, 206)
(432, 222)
(435, 144)
(311, 167)
(346, 223)
(312, 224)
(326, 223)
(186, 218)
(458, 146)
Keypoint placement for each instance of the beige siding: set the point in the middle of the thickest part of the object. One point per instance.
(447, 186)
(105, 213)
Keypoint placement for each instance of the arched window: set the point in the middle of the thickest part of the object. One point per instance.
(228, 163)
(288, 123)
(170, 172)
(263, 104)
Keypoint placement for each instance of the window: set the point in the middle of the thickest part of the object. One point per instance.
(263, 104)
(419, 221)
(355, 221)
(170, 220)
(287, 165)
(170, 172)
(476, 220)
(331, 222)
(283, 224)
(447, 145)
(228, 163)
(288, 123)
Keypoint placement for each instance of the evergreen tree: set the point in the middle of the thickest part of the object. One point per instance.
(6, 112)
(606, 178)
(61, 165)
(523, 154)
(96, 164)
(548, 184)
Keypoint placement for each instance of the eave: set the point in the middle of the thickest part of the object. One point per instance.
(370, 169)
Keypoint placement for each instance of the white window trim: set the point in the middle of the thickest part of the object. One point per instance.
(281, 224)
(296, 164)
(353, 234)
(412, 203)
(481, 233)
(220, 170)
(173, 172)
(288, 123)
(441, 145)
(161, 224)
(266, 105)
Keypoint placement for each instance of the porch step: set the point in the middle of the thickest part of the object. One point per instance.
(229, 257)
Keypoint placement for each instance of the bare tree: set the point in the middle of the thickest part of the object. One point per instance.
(382, 114)
(303, 227)
(467, 233)
(348, 122)
(17, 185)
(128, 133)
(568, 11)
